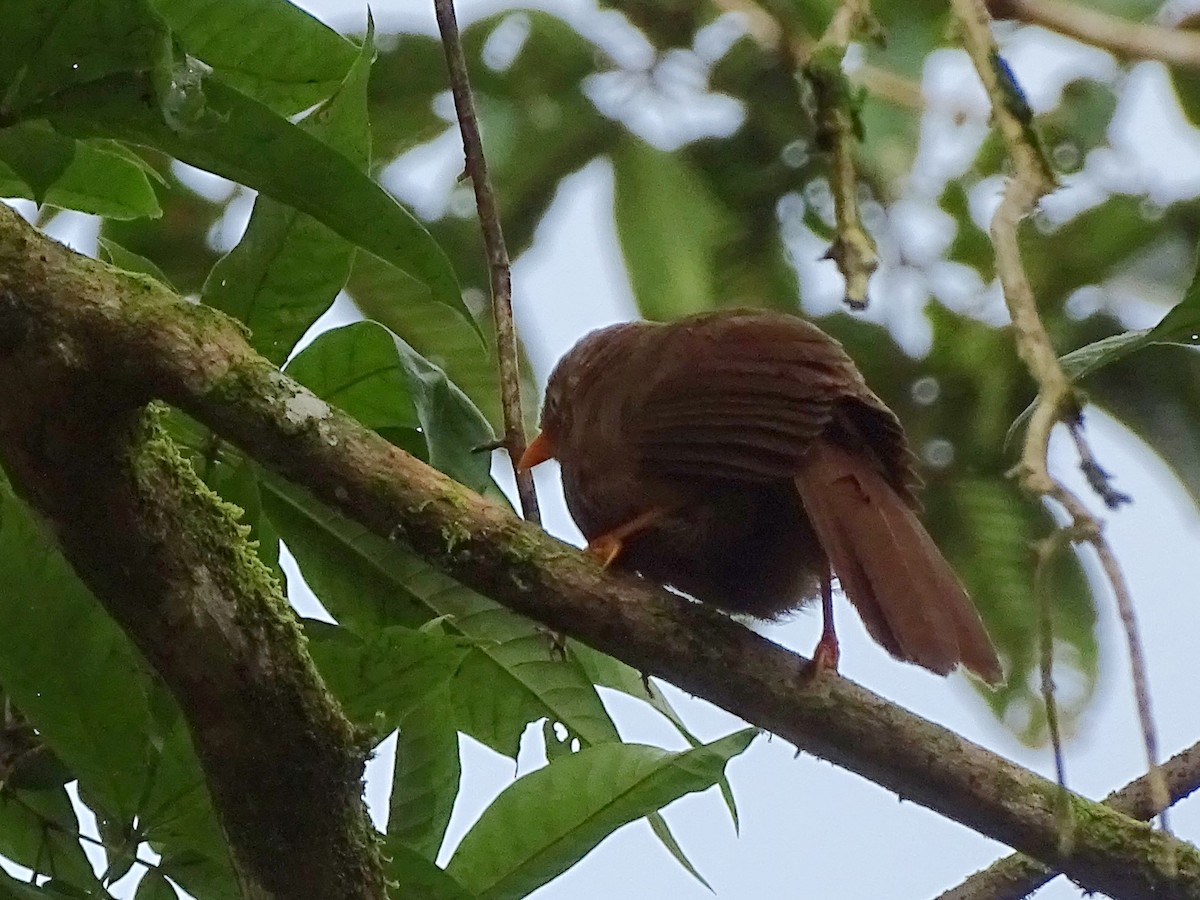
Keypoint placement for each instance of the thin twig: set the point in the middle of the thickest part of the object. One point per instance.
(765, 30)
(1137, 664)
(1133, 40)
(890, 86)
(1057, 399)
(837, 132)
(499, 268)
(1047, 549)
(1017, 875)
(837, 127)
(1098, 478)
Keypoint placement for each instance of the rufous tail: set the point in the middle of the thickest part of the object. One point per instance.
(909, 598)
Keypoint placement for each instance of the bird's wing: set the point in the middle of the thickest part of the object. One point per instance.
(741, 398)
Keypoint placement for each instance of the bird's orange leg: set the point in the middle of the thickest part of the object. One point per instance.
(607, 547)
(825, 654)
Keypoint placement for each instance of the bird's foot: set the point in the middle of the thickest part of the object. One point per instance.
(604, 550)
(825, 655)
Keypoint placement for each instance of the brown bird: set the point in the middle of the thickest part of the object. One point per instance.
(739, 456)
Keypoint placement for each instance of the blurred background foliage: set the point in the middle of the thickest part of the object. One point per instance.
(736, 215)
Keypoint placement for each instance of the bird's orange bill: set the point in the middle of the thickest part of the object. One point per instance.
(538, 451)
(607, 547)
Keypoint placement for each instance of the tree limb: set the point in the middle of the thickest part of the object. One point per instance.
(134, 338)
(169, 561)
(1017, 876)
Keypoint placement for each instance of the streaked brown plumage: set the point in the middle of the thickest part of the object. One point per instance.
(750, 456)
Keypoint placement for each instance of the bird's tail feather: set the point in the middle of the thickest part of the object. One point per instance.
(909, 598)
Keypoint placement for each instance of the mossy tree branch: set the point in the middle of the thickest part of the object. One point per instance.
(134, 339)
(1017, 876)
(169, 561)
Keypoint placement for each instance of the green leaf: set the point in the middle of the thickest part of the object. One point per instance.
(380, 678)
(288, 267)
(522, 841)
(605, 671)
(662, 831)
(224, 131)
(385, 384)
(436, 332)
(1181, 325)
(39, 830)
(177, 819)
(270, 49)
(37, 154)
(120, 839)
(71, 174)
(94, 712)
(11, 889)
(51, 45)
(425, 778)
(1170, 422)
(104, 184)
(412, 875)
(281, 276)
(367, 583)
(670, 228)
(114, 254)
(154, 886)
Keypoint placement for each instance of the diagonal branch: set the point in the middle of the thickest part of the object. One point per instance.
(1132, 40)
(133, 338)
(499, 269)
(1017, 876)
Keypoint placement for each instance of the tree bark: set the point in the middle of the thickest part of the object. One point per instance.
(169, 561)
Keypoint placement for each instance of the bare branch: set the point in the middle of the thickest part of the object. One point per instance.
(1133, 40)
(156, 343)
(1057, 399)
(499, 268)
(853, 250)
(1046, 550)
(837, 132)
